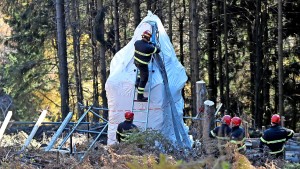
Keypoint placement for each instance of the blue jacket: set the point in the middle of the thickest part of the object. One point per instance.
(124, 130)
(275, 138)
(143, 51)
(221, 132)
(238, 137)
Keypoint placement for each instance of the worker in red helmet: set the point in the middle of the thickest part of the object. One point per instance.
(222, 132)
(126, 127)
(275, 137)
(142, 56)
(238, 136)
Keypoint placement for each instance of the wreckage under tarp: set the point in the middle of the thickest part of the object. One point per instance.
(166, 102)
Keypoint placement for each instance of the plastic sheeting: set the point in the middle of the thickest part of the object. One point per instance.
(120, 86)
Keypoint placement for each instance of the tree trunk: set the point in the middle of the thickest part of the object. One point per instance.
(226, 57)
(95, 60)
(280, 61)
(219, 48)
(62, 57)
(211, 63)
(170, 16)
(194, 27)
(136, 12)
(116, 25)
(208, 125)
(102, 68)
(76, 49)
(266, 71)
(181, 19)
(258, 60)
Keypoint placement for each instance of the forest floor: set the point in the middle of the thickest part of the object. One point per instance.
(148, 150)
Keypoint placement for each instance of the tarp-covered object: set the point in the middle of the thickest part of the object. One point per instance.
(120, 87)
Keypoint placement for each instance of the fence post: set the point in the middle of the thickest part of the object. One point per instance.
(208, 124)
(34, 130)
(201, 97)
(5, 123)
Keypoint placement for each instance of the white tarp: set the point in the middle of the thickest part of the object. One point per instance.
(120, 86)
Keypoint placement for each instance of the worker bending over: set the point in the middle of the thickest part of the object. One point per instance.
(237, 136)
(222, 132)
(275, 137)
(126, 127)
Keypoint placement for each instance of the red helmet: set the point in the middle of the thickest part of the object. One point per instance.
(275, 119)
(147, 34)
(226, 119)
(236, 121)
(129, 115)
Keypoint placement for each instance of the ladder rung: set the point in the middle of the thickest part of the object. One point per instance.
(146, 101)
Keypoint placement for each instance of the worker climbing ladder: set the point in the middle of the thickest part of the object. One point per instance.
(182, 137)
(145, 109)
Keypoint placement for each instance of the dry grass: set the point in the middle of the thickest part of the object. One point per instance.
(146, 150)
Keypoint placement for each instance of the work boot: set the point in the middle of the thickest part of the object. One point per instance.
(141, 98)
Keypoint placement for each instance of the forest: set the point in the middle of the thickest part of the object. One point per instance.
(246, 51)
(55, 54)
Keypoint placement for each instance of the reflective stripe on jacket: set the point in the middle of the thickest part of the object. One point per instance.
(238, 137)
(221, 132)
(124, 130)
(275, 138)
(143, 51)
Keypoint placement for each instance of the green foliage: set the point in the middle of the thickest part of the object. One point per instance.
(292, 166)
(162, 164)
(151, 140)
(26, 72)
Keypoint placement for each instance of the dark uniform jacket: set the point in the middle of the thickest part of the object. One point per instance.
(238, 137)
(221, 132)
(143, 51)
(275, 137)
(124, 130)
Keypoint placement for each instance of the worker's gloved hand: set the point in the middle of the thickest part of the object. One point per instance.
(152, 43)
(157, 49)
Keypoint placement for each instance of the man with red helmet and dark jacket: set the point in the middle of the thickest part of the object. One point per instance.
(275, 137)
(126, 127)
(237, 136)
(142, 56)
(222, 132)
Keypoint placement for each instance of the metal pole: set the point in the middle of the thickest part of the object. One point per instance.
(59, 131)
(5, 123)
(74, 128)
(34, 130)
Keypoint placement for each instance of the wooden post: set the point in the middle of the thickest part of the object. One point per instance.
(5, 123)
(201, 97)
(34, 130)
(282, 121)
(247, 130)
(208, 124)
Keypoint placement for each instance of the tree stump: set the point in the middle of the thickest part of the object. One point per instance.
(201, 91)
(208, 125)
